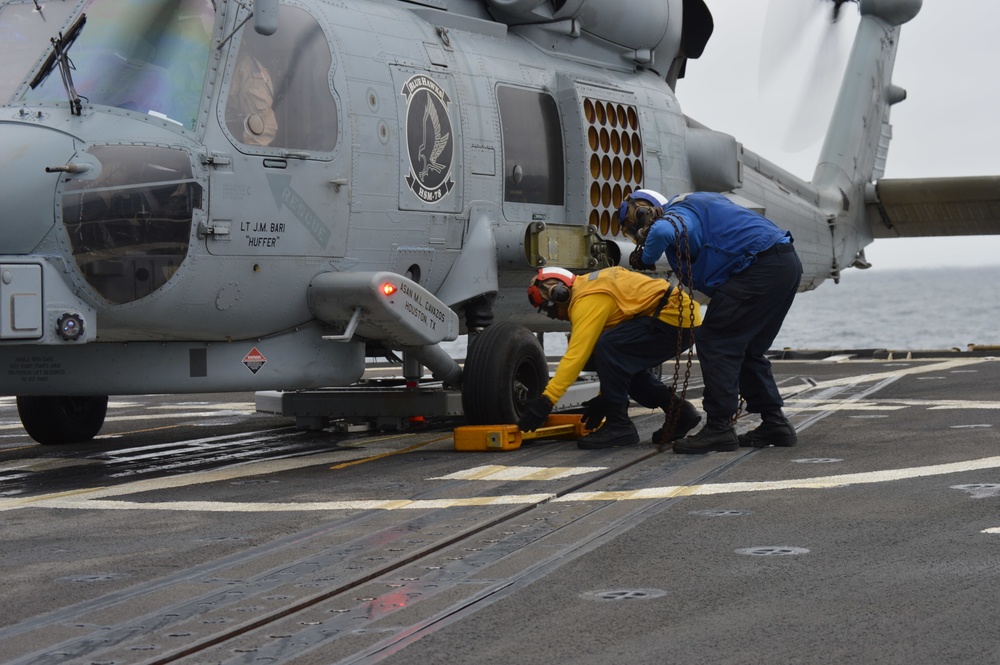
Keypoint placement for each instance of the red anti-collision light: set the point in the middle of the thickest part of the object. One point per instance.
(388, 288)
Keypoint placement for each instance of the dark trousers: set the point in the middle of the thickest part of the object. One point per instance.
(742, 320)
(624, 358)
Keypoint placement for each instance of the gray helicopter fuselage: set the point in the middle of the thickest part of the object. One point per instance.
(169, 234)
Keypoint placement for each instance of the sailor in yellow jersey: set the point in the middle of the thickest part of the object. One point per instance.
(624, 324)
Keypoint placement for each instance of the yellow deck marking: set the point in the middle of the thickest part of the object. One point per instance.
(372, 458)
(247, 470)
(135, 431)
(95, 499)
(475, 473)
(29, 502)
(556, 473)
(321, 506)
(499, 472)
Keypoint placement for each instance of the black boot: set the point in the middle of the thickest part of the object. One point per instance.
(717, 434)
(686, 420)
(617, 430)
(774, 430)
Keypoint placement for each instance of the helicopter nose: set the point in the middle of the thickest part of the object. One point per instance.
(27, 190)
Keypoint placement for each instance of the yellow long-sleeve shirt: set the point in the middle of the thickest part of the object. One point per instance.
(604, 299)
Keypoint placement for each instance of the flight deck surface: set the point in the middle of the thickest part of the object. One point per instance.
(197, 531)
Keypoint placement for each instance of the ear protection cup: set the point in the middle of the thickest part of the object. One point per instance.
(642, 215)
(559, 293)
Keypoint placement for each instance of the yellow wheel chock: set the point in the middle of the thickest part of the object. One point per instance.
(479, 438)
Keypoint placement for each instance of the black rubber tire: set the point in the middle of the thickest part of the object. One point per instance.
(53, 420)
(505, 367)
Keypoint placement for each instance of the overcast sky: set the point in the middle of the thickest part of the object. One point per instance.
(948, 126)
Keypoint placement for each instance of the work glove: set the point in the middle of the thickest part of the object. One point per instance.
(596, 411)
(535, 412)
(636, 262)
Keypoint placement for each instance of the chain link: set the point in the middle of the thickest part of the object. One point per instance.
(674, 410)
(739, 410)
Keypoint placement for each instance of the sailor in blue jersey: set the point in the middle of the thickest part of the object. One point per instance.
(749, 268)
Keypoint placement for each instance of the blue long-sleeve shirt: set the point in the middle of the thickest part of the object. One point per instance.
(724, 238)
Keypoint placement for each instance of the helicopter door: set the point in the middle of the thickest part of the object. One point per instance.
(280, 196)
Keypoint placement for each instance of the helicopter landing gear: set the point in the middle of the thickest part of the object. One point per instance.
(504, 368)
(59, 419)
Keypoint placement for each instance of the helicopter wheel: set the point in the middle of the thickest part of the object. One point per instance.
(60, 419)
(505, 367)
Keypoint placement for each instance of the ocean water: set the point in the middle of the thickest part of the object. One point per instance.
(940, 308)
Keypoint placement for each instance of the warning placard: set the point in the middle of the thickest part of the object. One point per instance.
(254, 360)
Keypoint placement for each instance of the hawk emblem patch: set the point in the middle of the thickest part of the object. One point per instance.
(430, 145)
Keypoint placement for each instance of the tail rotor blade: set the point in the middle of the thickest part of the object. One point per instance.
(803, 53)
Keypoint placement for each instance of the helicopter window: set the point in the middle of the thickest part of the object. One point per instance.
(142, 55)
(24, 37)
(279, 91)
(532, 145)
(130, 227)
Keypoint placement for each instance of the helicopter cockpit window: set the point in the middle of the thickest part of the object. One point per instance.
(532, 147)
(279, 88)
(149, 56)
(130, 227)
(25, 30)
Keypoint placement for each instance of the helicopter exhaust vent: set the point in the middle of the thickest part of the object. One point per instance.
(615, 160)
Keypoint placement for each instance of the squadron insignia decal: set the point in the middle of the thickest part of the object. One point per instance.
(429, 142)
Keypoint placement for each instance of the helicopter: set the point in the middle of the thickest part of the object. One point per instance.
(217, 195)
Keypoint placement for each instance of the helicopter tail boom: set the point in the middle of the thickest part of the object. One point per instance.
(854, 149)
